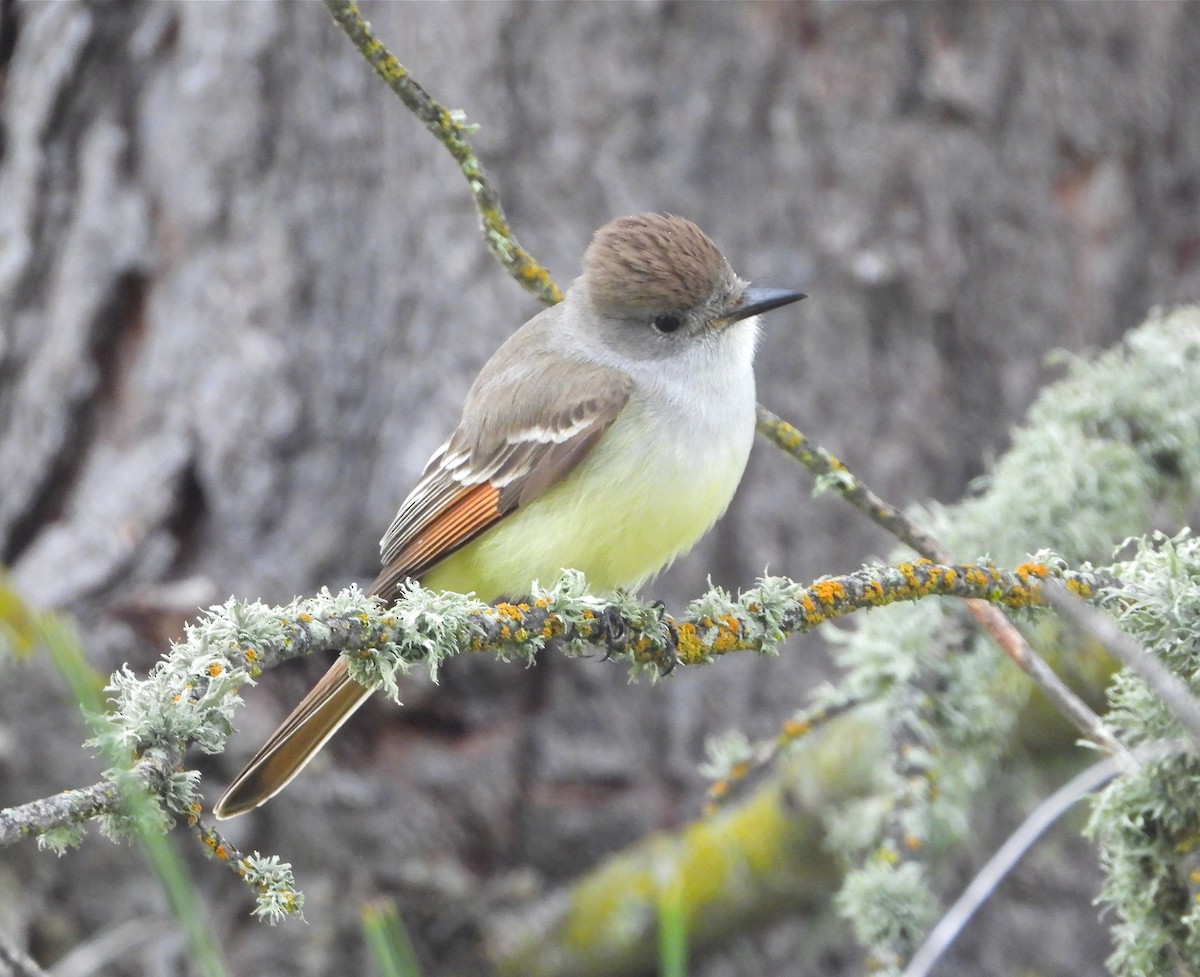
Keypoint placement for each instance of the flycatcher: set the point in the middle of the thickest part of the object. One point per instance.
(606, 435)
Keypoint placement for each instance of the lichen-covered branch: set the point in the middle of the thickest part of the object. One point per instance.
(1111, 448)
(833, 473)
(451, 129)
(1147, 821)
(189, 698)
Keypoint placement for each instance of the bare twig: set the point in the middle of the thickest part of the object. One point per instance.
(14, 963)
(1174, 694)
(1005, 859)
(99, 953)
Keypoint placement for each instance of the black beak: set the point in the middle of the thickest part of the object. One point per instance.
(756, 300)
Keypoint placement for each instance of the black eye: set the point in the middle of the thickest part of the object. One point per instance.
(667, 323)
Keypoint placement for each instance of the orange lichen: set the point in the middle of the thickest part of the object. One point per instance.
(828, 592)
(510, 611)
(976, 578)
(1080, 589)
(796, 727)
(728, 635)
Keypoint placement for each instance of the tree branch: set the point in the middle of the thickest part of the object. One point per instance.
(832, 473)
(189, 697)
(1005, 859)
(1169, 688)
(451, 129)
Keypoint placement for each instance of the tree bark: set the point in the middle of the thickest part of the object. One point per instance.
(242, 296)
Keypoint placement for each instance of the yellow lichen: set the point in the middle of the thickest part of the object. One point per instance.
(796, 727)
(828, 592)
(976, 578)
(688, 645)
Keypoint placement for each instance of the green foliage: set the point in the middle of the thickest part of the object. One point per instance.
(672, 928)
(388, 940)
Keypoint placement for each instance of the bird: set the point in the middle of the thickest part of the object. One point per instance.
(607, 434)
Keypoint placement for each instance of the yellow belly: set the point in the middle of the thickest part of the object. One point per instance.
(619, 523)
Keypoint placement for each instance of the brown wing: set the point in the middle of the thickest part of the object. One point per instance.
(477, 478)
(496, 461)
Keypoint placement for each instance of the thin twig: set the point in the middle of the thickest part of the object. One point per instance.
(451, 131)
(99, 953)
(833, 472)
(761, 754)
(1005, 859)
(15, 963)
(1174, 694)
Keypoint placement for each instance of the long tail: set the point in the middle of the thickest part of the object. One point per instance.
(319, 715)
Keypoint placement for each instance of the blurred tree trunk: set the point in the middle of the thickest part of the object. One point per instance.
(242, 296)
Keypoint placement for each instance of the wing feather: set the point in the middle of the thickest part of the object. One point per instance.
(478, 477)
(506, 452)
